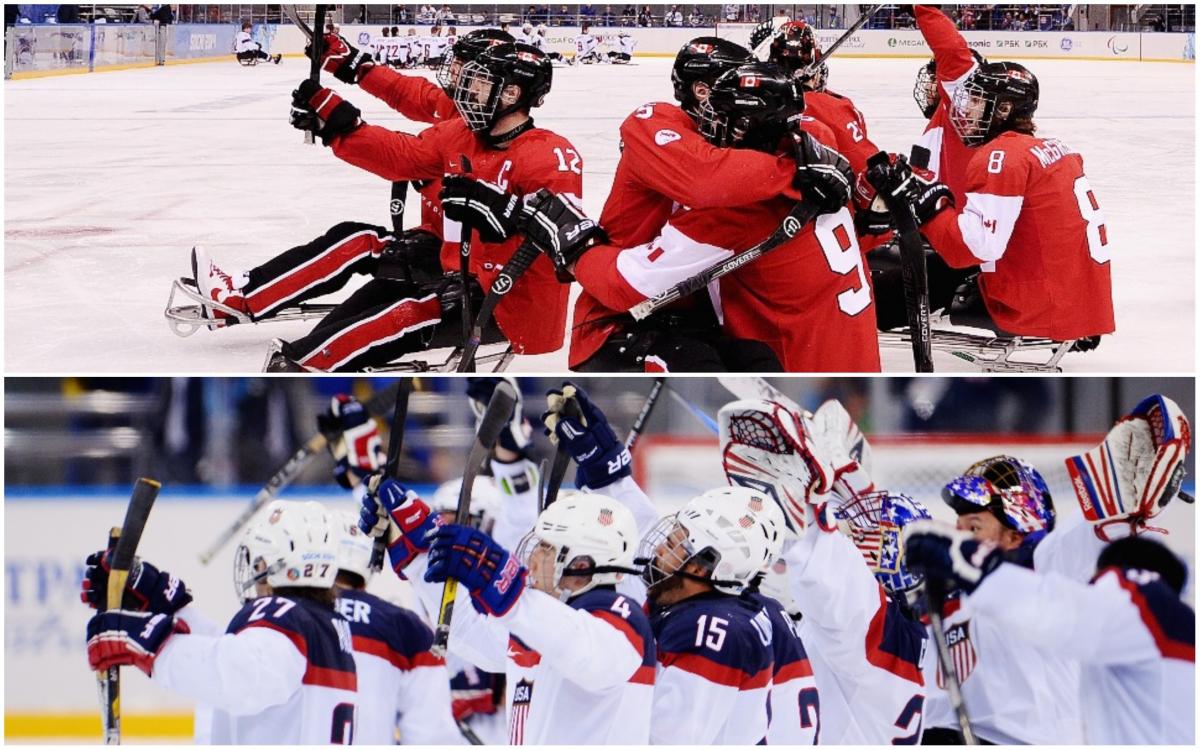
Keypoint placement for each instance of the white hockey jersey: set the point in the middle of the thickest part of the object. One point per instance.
(244, 42)
(1133, 637)
(585, 45)
(401, 685)
(576, 673)
(866, 650)
(795, 716)
(283, 673)
(625, 45)
(714, 671)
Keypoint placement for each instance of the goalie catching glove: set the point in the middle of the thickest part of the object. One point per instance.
(560, 231)
(1138, 469)
(322, 112)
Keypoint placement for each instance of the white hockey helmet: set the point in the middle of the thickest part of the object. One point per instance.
(766, 446)
(485, 501)
(581, 525)
(527, 28)
(724, 531)
(355, 549)
(296, 544)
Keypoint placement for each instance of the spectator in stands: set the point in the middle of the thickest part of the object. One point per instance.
(673, 17)
(66, 13)
(163, 14)
(1156, 24)
(445, 15)
(587, 13)
(427, 14)
(628, 16)
(644, 18)
(608, 18)
(141, 14)
(564, 16)
(732, 12)
(696, 18)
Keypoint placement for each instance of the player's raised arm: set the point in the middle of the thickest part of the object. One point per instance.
(952, 57)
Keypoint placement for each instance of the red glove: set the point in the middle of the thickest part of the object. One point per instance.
(323, 112)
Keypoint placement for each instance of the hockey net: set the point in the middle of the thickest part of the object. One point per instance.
(672, 469)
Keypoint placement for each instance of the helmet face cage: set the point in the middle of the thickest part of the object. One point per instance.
(748, 108)
(971, 113)
(925, 92)
(247, 573)
(476, 94)
(874, 521)
(548, 578)
(1021, 493)
(669, 535)
(973, 106)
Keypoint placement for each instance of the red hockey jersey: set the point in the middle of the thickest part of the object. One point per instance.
(847, 124)
(948, 155)
(420, 101)
(533, 315)
(1032, 224)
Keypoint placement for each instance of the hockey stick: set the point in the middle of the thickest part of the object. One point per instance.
(935, 595)
(376, 406)
(639, 423)
(468, 734)
(517, 265)
(466, 364)
(697, 412)
(391, 469)
(497, 414)
(145, 492)
(759, 388)
(314, 71)
(562, 459)
(294, 15)
(912, 258)
(796, 219)
(811, 68)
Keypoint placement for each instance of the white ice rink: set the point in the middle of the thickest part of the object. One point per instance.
(110, 178)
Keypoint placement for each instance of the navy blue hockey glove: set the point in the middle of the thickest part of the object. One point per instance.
(119, 638)
(147, 589)
(492, 575)
(353, 440)
(602, 458)
(562, 232)
(488, 209)
(516, 436)
(940, 551)
(823, 176)
(386, 502)
(323, 112)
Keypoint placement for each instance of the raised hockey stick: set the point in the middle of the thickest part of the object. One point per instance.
(317, 40)
(464, 277)
(495, 417)
(758, 388)
(935, 596)
(145, 492)
(376, 406)
(796, 219)
(643, 416)
(391, 469)
(294, 15)
(704, 417)
(517, 265)
(912, 258)
(562, 459)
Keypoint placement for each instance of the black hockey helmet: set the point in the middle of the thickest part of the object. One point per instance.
(752, 106)
(925, 90)
(992, 100)
(704, 59)
(467, 48)
(794, 48)
(479, 89)
(1141, 553)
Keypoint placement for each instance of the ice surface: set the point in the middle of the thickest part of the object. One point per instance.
(111, 178)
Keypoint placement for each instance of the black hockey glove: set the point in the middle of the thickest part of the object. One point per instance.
(823, 176)
(561, 231)
(918, 188)
(493, 212)
(339, 57)
(323, 112)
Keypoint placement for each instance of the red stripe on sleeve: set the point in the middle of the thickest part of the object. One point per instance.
(643, 676)
(795, 670)
(332, 678)
(639, 644)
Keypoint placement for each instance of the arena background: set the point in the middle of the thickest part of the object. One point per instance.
(73, 447)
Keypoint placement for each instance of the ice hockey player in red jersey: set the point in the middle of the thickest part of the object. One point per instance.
(809, 300)
(403, 689)
(578, 656)
(403, 264)
(492, 147)
(1031, 222)
(859, 622)
(714, 647)
(283, 671)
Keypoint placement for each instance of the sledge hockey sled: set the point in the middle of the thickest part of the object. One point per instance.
(186, 319)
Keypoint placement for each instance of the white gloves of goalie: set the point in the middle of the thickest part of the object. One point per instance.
(1130, 477)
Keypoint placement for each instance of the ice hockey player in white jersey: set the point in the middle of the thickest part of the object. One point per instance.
(578, 656)
(379, 45)
(527, 35)
(283, 671)
(539, 41)
(1130, 631)
(403, 689)
(1015, 700)
(714, 645)
(587, 47)
(624, 51)
(859, 624)
(248, 51)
